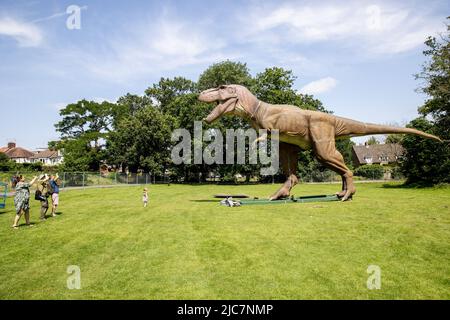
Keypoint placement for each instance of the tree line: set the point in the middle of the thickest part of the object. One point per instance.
(428, 162)
(134, 134)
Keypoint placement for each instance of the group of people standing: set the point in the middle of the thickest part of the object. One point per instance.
(47, 186)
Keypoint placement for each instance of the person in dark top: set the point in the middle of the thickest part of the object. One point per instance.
(55, 193)
(14, 180)
(43, 193)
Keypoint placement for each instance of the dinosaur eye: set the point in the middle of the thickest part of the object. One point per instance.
(222, 87)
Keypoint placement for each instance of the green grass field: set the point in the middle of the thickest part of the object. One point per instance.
(183, 248)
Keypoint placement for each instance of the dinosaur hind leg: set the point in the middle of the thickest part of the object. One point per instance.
(341, 193)
(335, 162)
(328, 155)
(285, 189)
(288, 159)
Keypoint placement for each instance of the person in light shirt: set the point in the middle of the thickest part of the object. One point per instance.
(145, 197)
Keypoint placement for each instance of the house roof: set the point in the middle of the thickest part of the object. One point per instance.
(18, 152)
(45, 154)
(378, 152)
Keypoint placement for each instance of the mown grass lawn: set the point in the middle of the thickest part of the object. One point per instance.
(183, 248)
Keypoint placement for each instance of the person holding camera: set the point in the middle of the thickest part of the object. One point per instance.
(22, 200)
(42, 194)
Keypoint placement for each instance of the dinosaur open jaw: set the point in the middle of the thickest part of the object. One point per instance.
(223, 106)
(215, 113)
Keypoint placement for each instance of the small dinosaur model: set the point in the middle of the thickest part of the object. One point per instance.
(298, 130)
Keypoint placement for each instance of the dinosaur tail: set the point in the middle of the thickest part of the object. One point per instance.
(347, 127)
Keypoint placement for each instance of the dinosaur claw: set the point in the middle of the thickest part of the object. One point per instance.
(348, 195)
(341, 194)
(281, 194)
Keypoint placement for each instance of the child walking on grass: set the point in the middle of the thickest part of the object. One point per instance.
(145, 197)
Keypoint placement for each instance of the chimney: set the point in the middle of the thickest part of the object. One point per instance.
(11, 145)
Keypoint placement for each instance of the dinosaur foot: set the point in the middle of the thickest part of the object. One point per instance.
(280, 194)
(348, 195)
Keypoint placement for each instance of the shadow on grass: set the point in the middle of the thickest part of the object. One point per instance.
(7, 210)
(49, 214)
(23, 225)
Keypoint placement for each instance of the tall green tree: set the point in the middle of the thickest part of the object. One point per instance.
(275, 85)
(85, 117)
(425, 161)
(186, 109)
(394, 138)
(226, 72)
(428, 161)
(435, 77)
(128, 105)
(372, 140)
(142, 141)
(164, 93)
(83, 128)
(178, 97)
(80, 155)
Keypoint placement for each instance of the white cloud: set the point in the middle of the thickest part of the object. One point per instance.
(319, 86)
(378, 29)
(152, 47)
(307, 23)
(26, 34)
(173, 39)
(261, 34)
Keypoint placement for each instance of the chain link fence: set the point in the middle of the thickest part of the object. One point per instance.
(85, 179)
(90, 179)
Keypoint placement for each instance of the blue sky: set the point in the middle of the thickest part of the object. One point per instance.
(357, 57)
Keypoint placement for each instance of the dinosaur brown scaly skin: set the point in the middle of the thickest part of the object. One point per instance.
(298, 130)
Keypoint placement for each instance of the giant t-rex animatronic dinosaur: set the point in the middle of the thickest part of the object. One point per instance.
(298, 130)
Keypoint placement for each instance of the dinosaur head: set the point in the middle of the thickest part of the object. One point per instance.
(226, 97)
(230, 100)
